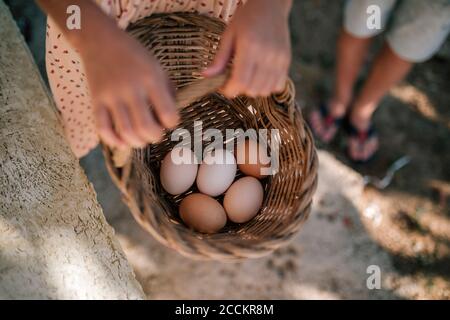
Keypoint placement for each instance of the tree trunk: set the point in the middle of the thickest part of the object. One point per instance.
(54, 240)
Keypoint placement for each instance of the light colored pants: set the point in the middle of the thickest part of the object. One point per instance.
(416, 29)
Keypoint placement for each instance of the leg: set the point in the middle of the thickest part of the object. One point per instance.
(351, 53)
(352, 47)
(412, 38)
(387, 70)
(353, 44)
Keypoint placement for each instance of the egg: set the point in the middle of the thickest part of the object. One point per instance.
(178, 170)
(202, 213)
(252, 158)
(243, 199)
(217, 172)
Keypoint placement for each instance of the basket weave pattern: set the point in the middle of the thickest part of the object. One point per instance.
(185, 44)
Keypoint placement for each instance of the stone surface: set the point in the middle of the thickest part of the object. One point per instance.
(54, 240)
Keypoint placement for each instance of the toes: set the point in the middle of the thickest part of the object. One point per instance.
(329, 134)
(362, 151)
(353, 149)
(370, 148)
(316, 123)
(321, 130)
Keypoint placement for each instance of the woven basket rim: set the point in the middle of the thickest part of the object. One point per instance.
(138, 181)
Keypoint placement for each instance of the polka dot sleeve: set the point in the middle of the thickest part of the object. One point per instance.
(65, 69)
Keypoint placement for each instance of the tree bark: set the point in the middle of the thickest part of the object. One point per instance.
(54, 240)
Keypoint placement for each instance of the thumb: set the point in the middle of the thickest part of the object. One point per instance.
(223, 55)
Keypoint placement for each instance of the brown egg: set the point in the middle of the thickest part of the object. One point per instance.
(243, 199)
(202, 213)
(251, 158)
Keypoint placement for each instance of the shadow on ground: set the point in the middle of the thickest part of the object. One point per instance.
(413, 120)
(413, 249)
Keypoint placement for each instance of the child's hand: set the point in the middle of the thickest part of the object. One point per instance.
(124, 80)
(258, 37)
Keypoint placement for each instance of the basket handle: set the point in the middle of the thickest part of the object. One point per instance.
(183, 97)
(199, 88)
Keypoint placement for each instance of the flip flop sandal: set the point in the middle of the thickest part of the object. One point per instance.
(326, 119)
(363, 137)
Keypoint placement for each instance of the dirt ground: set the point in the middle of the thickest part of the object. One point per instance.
(404, 228)
(413, 120)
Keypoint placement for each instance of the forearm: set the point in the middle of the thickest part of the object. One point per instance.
(94, 23)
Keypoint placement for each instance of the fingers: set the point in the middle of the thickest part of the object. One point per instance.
(280, 83)
(128, 124)
(255, 80)
(223, 55)
(271, 75)
(124, 126)
(144, 123)
(105, 128)
(280, 77)
(241, 76)
(130, 121)
(263, 82)
(258, 71)
(163, 100)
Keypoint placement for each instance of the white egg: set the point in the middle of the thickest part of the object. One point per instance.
(217, 172)
(178, 170)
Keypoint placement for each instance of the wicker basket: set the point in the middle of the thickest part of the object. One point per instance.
(185, 44)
